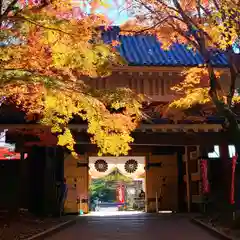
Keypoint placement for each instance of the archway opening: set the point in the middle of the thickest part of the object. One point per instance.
(116, 185)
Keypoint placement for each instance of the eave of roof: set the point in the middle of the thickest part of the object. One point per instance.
(145, 50)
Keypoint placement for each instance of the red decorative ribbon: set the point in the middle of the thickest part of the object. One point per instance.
(204, 171)
(232, 196)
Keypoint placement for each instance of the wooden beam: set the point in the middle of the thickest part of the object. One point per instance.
(167, 139)
(175, 135)
(178, 139)
(156, 69)
(167, 127)
(22, 126)
(183, 127)
(142, 127)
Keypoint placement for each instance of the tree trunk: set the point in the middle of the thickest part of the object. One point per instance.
(232, 130)
(225, 177)
(237, 177)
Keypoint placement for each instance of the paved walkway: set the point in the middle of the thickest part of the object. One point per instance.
(133, 227)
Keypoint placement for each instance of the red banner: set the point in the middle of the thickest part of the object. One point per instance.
(121, 194)
(204, 171)
(234, 162)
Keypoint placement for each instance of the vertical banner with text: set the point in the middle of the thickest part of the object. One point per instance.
(120, 193)
(232, 196)
(204, 172)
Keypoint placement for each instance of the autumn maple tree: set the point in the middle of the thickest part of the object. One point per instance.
(47, 47)
(206, 26)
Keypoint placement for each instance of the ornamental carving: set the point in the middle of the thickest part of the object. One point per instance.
(101, 165)
(131, 166)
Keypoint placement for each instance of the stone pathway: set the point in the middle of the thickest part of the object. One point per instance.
(134, 227)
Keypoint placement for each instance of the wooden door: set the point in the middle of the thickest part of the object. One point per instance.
(76, 174)
(162, 183)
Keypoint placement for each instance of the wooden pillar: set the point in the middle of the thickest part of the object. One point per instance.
(77, 176)
(162, 182)
(70, 174)
(226, 171)
(147, 160)
(51, 206)
(83, 185)
(188, 180)
(192, 174)
(36, 179)
(199, 171)
(23, 181)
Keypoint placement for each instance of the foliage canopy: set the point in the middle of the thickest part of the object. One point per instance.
(206, 26)
(46, 49)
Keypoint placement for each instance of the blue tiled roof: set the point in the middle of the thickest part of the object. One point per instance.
(139, 50)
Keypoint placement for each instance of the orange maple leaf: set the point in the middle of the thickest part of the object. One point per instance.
(115, 43)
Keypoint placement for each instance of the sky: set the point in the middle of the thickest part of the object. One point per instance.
(115, 11)
(117, 18)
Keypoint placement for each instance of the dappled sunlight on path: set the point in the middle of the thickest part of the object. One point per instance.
(121, 225)
(114, 213)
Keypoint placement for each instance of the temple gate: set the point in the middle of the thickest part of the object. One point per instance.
(159, 174)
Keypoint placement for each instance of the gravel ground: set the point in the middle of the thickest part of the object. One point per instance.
(25, 225)
(221, 226)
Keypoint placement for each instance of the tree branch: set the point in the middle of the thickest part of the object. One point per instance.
(198, 5)
(190, 23)
(216, 5)
(43, 4)
(183, 34)
(1, 5)
(22, 17)
(148, 28)
(167, 6)
(8, 10)
(233, 74)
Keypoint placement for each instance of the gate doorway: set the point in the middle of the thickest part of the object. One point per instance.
(156, 175)
(116, 185)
